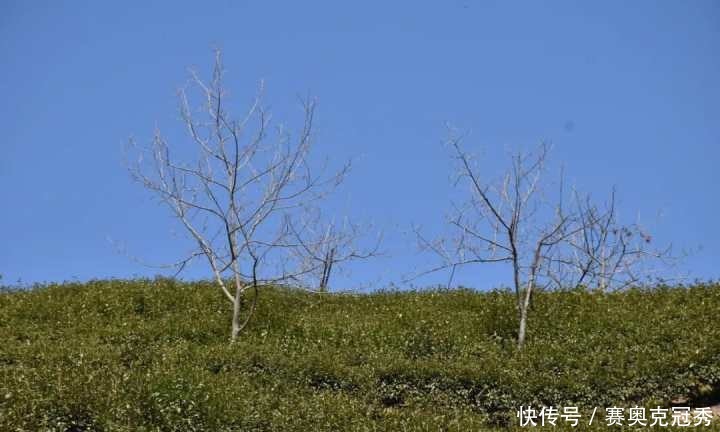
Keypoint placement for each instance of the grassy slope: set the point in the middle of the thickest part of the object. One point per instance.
(153, 355)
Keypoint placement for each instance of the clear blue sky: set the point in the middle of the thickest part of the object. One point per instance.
(628, 93)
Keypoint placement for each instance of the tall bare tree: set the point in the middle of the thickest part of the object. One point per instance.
(236, 188)
(545, 243)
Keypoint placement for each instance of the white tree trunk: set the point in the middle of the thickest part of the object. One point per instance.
(523, 327)
(236, 324)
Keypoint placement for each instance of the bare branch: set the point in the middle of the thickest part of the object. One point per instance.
(235, 197)
(545, 243)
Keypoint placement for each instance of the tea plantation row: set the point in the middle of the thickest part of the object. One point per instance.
(153, 355)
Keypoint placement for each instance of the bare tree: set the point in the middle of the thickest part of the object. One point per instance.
(605, 254)
(236, 188)
(546, 245)
(327, 245)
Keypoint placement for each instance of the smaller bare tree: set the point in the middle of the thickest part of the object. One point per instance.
(605, 254)
(236, 190)
(324, 246)
(546, 244)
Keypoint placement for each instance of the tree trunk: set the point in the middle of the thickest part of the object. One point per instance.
(327, 268)
(523, 326)
(236, 324)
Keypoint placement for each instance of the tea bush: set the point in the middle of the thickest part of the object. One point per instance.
(153, 355)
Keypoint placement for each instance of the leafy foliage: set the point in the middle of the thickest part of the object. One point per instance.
(153, 355)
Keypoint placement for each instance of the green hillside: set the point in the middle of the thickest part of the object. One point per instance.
(153, 355)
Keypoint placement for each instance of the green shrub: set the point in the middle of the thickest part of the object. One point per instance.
(153, 355)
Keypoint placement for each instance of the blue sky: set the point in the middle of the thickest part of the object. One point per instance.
(627, 92)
